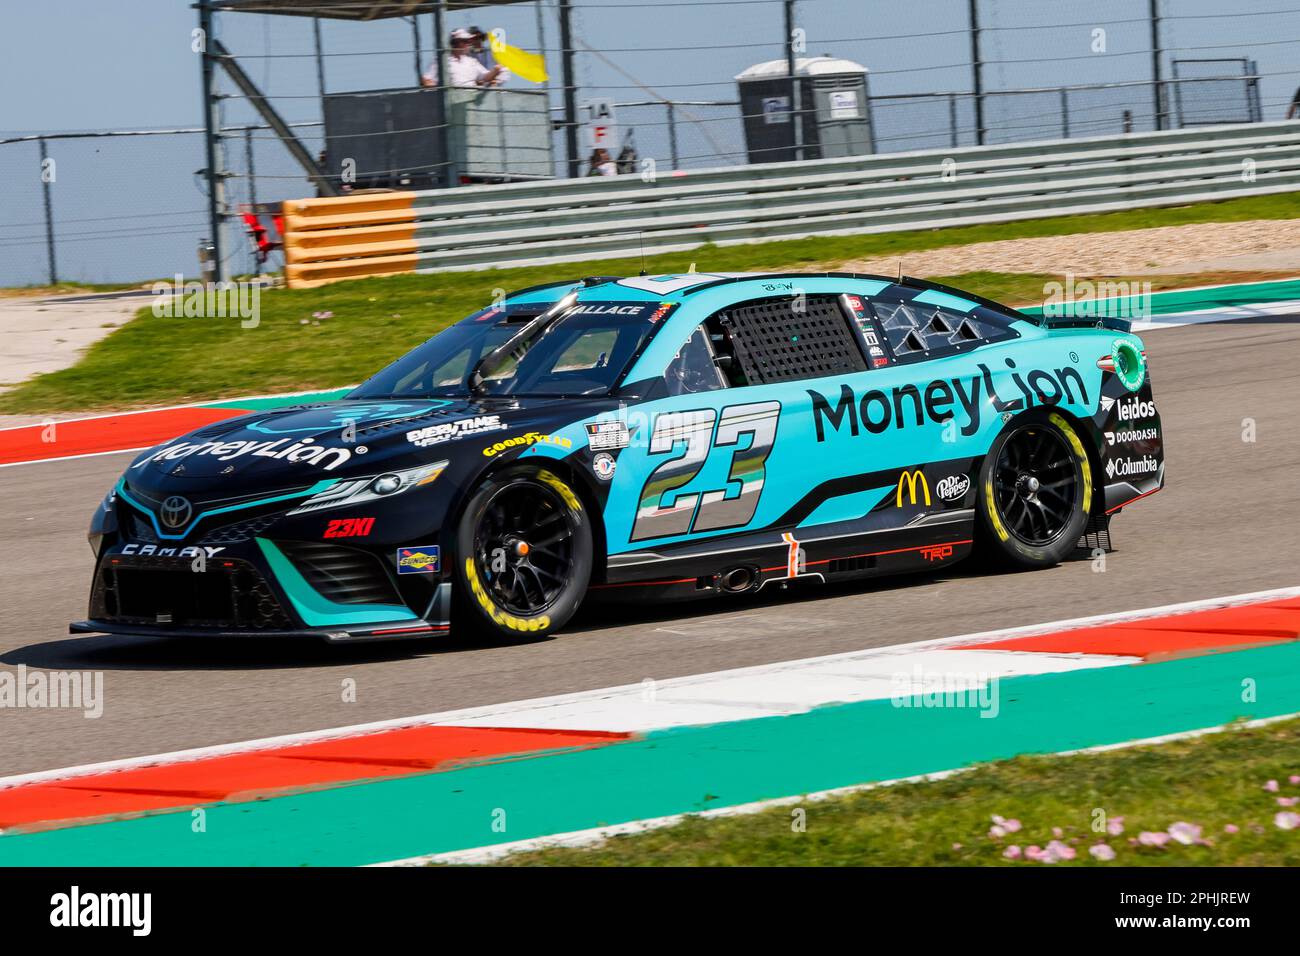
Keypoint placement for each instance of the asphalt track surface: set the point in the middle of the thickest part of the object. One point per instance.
(1225, 524)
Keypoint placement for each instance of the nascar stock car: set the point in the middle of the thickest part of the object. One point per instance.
(658, 437)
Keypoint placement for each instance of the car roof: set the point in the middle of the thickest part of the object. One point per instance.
(648, 288)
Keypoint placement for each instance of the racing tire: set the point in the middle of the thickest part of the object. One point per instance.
(1035, 493)
(523, 556)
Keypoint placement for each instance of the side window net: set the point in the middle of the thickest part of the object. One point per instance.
(914, 327)
(772, 342)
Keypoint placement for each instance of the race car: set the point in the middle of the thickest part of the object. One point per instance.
(653, 437)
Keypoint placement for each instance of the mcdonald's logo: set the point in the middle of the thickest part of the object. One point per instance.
(910, 480)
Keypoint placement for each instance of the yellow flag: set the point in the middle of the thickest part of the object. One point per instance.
(530, 66)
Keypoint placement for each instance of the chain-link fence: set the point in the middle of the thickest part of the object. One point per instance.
(128, 206)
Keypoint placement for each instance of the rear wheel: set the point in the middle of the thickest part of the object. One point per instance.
(1035, 493)
(524, 553)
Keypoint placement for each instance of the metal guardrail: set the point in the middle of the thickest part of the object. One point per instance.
(524, 224)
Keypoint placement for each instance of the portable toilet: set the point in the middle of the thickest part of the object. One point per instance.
(832, 101)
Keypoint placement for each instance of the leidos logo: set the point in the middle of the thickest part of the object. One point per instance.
(911, 480)
(1135, 408)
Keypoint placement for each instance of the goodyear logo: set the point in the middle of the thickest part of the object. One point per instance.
(421, 559)
(531, 438)
(911, 481)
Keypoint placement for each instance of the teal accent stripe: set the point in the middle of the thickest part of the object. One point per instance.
(180, 535)
(845, 507)
(935, 297)
(685, 770)
(315, 609)
(1176, 301)
(281, 401)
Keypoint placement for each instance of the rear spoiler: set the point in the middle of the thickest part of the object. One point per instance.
(1050, 322)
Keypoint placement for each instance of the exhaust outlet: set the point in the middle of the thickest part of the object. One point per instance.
(736, 580)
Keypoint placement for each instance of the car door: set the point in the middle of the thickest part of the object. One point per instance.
(730, 450)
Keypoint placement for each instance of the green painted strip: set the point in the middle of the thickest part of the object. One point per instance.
(1196, 300)
(685, 770)
(280, 401)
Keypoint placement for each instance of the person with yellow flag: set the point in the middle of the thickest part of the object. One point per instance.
(529, 66)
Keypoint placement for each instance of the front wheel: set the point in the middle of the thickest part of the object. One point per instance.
(524, 556)
(1035, 493)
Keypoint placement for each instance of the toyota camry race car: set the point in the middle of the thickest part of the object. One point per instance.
(655, 437)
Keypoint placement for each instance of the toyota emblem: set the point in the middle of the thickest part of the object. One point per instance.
(176, 511)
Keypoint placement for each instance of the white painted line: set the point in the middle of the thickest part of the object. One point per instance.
(173, 408)
(501, 714)
(598, 835)
(1202, 316)
(89, 454)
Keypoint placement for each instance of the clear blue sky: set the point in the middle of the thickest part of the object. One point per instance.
(90, 64)
(134, 209)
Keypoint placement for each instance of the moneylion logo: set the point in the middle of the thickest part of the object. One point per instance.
(176, 511)
(910, 480)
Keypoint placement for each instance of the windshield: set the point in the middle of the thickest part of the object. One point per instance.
(583, 352)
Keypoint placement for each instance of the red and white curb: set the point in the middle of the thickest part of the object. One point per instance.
(778, 688)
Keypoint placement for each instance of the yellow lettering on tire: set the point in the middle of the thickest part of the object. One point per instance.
(564, 490)
(497, 615)
(998, 527)
(1084, 466)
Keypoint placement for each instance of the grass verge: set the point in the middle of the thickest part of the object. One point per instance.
(339, 334)
(1213, 782)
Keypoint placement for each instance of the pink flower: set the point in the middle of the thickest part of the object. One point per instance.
(1011, 826)
(1294, 778)
(1012, 852)
(997, 832)
(1185, 833)
(1231, 828)
(1033, 852)
(1287, 820)
(1058, 832)
(1115, 826)
(1056, 850)
(1271, 786)
(1102, 852)
(1147, 838)
(1287, 801)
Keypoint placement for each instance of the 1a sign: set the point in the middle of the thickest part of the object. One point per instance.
(600, 124)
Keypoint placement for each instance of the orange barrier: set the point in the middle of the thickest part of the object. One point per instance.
(371, 234)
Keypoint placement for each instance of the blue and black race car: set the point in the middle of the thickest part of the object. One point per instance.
(656, 437)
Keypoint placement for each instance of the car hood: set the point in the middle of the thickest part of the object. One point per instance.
(344, 438)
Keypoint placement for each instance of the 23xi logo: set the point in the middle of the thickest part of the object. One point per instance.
(349, 527)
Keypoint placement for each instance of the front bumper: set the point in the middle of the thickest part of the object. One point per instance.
(264, 588)
(405, 631)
